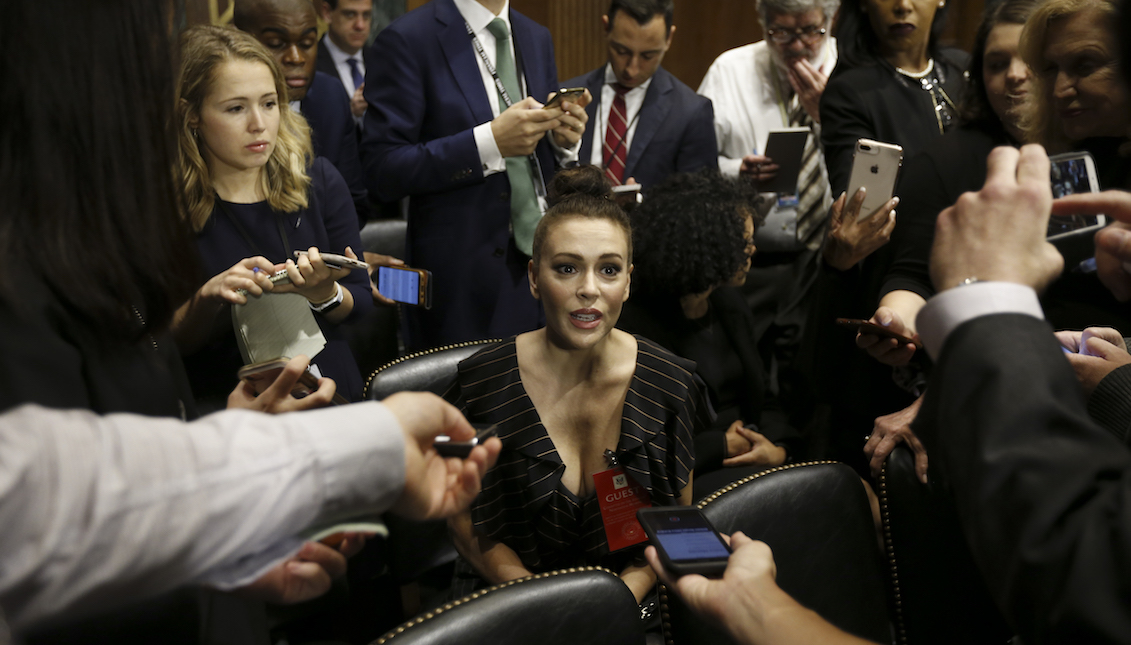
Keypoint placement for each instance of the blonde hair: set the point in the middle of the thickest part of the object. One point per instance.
(1039, 121)
(284, 179)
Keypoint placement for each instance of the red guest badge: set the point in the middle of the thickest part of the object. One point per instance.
(619, 497)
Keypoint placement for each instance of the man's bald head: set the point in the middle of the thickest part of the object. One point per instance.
(289, 28)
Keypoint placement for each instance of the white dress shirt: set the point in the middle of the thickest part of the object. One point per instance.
(947, 311)
(99, 510)
(633, 101)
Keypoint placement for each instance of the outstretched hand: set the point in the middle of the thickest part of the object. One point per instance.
(279, 397)
(1094, 353)
(1113, 243)
(437, 487)
(888, 351)
(998, 233)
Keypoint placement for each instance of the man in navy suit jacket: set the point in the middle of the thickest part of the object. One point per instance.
(289, 29)
(669, 127)
(348, 23)
(434, 133)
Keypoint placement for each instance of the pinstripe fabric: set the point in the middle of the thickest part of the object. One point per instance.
(524, 503)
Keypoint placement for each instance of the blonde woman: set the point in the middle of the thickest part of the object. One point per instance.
(254, 194)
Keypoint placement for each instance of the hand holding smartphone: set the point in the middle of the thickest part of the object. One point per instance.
(407, 285)
(685, 540)
(868, 327)
(571, 94)
(448, 448)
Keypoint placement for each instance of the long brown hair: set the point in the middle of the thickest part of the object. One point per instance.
(284, 180)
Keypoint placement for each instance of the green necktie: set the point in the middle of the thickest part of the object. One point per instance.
(525, 212)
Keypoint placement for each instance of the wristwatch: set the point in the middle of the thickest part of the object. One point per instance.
(331, 304)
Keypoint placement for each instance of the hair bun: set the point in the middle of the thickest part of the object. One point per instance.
(580, 180)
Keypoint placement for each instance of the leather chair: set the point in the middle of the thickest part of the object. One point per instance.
(585, 605)
(816, 518)
(432, 370)
(417, 548)
(375, 337)
(941, 597)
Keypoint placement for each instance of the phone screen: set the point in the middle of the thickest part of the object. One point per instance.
(399, 284)
(686, 537)
(1070, 175)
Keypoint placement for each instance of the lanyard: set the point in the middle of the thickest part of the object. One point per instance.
(539, 182)
(251, 243)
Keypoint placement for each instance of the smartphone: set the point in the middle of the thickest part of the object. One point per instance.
(875, 166)
(335, 261)
(448, 448)
(1071, 173)
(869, 327)
(786, 148)
(685, 540)
(410, 286)
(571, 94)
(262, 375)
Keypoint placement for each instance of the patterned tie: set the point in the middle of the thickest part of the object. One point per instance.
(811, 204)
(616, 149)
(355, 71)
(525, 211)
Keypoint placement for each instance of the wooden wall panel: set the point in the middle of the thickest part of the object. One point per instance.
(704, 29)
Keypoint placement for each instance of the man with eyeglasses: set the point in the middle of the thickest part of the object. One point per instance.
(771, 85)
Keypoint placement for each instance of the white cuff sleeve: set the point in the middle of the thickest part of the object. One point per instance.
(564, 155)
(489, 154)
(729, 167)
(948, 310)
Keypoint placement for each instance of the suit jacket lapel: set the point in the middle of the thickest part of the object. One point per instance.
(652, 114)
(596, 83)
(460, 54)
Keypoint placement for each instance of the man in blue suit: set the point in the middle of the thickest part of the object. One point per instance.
(647, 124)
(438, 131)
(342, 52)
(289, 29)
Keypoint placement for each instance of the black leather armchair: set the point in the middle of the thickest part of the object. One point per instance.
(432, 370)
(940, 596)
(816, 518)
(585, 605)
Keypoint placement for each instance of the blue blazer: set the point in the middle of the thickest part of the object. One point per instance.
(424, 99)
(675, 131)
(332, 130)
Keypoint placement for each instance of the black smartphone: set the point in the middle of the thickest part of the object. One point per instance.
(571, 94)
(448, 448)
(403, 284)
(869, 327)
(685, 540)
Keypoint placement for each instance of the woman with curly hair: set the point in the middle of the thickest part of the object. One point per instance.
(694, 237)
(254, 194)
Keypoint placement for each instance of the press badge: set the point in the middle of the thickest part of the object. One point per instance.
(619, 497)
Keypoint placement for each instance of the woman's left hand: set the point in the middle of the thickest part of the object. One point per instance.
(850, 240)
(311, 277)
(763, 452)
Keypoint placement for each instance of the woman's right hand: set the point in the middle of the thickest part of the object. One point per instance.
(248, 276)
(888, 351)
(850, 241)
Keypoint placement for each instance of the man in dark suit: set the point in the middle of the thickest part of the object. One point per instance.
(289, 29)
(437, 130)
(659, 125)
(1042, 491)
(342, 52)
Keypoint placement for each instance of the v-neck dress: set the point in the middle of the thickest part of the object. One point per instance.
(524, 503)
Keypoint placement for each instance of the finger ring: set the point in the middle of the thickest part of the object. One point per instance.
(867, 437)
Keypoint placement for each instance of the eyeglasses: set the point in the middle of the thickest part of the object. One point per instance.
(808, 35)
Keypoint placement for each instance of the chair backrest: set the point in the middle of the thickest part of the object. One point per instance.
(816, 518)
(587, 605)
(385, 236)
(932, 571)
(432, 370)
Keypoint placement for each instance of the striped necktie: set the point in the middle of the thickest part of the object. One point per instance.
(616, 149)
(812, 207)
(525, 211)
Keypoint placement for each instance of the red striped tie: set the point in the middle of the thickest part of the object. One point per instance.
(615, 148)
